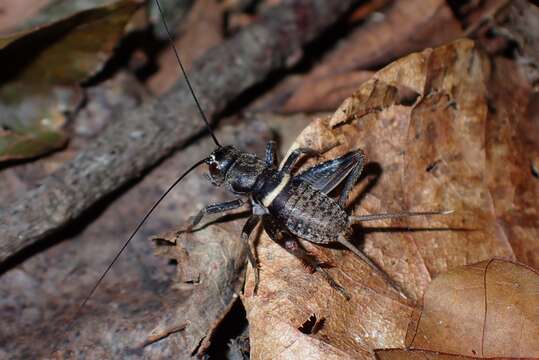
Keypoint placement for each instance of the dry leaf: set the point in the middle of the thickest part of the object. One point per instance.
(328, 93)
(209, 265)
(420, 24)
(485, 310)
(434, 142)
(511, 145)
(489, 309)
(38, 91)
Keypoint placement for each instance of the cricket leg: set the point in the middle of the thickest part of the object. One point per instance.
(294, 247)
(293, 158)
(344, 241)
(290, 243)
(245, 234)
(212, 209)
(373, 217)
(271, 155)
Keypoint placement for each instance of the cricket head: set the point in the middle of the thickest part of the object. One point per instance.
(219, 163)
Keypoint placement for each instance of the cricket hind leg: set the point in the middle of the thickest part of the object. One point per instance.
(382, 216)
(292, 159)
(248, 228)
(344, 241)
(291, 244)
(294, 247)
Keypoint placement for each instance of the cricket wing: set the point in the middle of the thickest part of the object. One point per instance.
(329, 174)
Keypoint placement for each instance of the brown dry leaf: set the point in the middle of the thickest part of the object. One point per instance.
(420, 24)
(328, 93)
(489, 309)
(209, 264)
(512, 146)
(427, 123)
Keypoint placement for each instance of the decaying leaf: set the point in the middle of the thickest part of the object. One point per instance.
(484, 310)
(38, 89)
(432, 125)
(489, 309)
(328, 93)
(210, 265)
(420, 24)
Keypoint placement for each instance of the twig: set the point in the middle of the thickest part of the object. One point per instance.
(143, 136)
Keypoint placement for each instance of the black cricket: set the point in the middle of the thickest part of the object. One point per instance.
(293, 206)
(289, 206)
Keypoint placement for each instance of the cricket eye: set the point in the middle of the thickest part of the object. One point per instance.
(214, 169)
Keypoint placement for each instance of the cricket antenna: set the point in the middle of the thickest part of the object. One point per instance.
(124, 245)
(185, 74)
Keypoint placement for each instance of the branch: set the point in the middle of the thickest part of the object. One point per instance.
(143, 136)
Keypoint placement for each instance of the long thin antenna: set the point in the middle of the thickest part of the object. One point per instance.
(185, 74)
(124, 246)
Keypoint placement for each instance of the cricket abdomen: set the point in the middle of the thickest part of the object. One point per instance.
(308, 213)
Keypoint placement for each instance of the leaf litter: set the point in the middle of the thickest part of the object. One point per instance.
(434, 142)
(442, 129)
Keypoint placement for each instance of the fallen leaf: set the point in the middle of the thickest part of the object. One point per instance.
(210, 266)
(420, 24)
(511, 145)
(485, 310)
(38, 91)
(426, 125)
(328, 93)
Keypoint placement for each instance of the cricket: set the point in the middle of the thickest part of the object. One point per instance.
(266, 179)
(289, 205)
